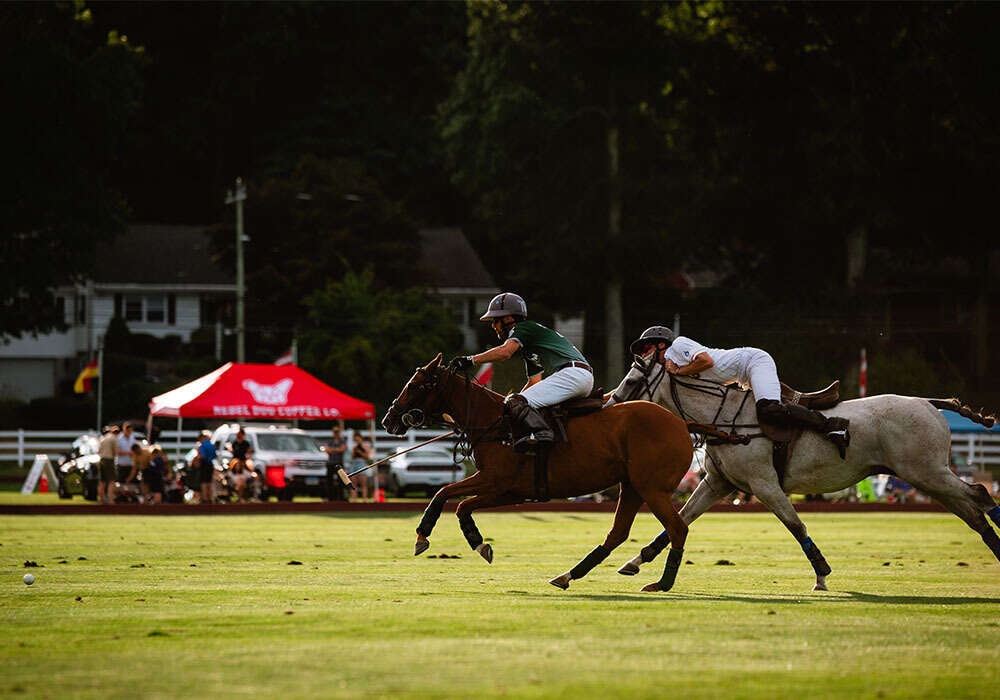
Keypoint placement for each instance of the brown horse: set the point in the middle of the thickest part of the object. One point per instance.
(637, 444)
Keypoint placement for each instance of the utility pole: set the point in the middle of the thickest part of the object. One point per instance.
(238, 196)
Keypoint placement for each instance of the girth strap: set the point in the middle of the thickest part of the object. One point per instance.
(780, 456)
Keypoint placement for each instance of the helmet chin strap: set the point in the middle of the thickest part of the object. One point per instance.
(505, 327)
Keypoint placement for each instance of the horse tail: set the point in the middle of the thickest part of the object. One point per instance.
(987, 421)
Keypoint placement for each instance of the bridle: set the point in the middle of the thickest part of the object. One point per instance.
(434, 389)
(704, 386)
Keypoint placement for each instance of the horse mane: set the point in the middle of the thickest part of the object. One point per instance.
(474, 384)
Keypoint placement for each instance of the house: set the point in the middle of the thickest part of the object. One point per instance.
(456, 275)
(160, 278)
(162, 281)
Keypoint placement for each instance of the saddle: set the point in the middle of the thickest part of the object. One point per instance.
(816, 400)
(782, 435)
(557, 416)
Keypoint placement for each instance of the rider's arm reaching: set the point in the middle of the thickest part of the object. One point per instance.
(499, 353)
(699, 364)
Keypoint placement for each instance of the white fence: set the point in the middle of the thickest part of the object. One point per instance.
(21, 446)
(981, 450)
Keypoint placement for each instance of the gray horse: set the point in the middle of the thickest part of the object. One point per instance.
(901, 435)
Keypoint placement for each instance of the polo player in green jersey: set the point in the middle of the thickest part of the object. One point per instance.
(556, 370)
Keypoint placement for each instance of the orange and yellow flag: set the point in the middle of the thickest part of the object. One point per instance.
(82, 384)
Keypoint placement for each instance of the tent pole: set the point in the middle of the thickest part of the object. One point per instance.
(179, 422)
(375, 473)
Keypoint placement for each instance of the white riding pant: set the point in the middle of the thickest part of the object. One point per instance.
(763, 376)
(567, 383)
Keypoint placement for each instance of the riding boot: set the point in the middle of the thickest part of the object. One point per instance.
(527, 424)
(835, 429)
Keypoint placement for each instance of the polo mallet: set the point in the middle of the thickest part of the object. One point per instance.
(345, 478)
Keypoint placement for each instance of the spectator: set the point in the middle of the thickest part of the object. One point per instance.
(125, 441)
(240, 466)
(898, 491)
(153, 476)
(361, 455)
(140, 461)
(206, 466)
(335, 449)
(107, 451)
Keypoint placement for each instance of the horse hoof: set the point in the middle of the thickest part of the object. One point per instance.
(650, 588)
(820, 584)
(629, 568)
(561, 581)
(420, 547)
(486, 552)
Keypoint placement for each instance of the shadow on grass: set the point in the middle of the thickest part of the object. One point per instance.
(803, 599)
(917, 599)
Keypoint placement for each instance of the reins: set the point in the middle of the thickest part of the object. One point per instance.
(703, 386)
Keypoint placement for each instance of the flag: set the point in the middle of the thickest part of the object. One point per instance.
(82, 383)
(485, 374)
(286, 359)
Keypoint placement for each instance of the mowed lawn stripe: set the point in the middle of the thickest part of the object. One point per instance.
(361, 617)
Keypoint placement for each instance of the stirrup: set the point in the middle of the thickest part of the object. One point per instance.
(531, 440)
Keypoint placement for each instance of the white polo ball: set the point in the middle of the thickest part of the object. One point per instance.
(28, 579)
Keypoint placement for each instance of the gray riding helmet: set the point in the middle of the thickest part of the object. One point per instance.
(505, 304)
(652, 333)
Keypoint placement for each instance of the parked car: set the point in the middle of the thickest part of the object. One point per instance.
(426, 469)
(290, 455)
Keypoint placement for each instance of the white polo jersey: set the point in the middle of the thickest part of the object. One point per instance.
(751, 367)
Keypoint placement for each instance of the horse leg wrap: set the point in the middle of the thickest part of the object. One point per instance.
(994, 514)
(992, 541)
(431, 515)
(674, 557)
(599, 554)
(815, 557)
(470, 530)
(651, 550)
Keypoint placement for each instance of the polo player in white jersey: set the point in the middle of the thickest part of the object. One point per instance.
(750, 367)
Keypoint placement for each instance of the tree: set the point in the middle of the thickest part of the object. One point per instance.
(547, 130)
(314, 224)
(72, 94)
(366, 341)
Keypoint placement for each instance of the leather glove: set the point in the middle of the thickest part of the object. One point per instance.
(462, 363)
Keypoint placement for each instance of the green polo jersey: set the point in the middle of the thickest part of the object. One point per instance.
(543, 349)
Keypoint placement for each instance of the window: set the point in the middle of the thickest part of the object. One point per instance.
(145, 309)
(155, 309)
(133, 308)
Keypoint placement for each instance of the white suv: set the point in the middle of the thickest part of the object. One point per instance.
(427, 468)
(278, 447)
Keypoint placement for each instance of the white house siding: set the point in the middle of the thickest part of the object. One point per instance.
(27, 378)
(46, 345)
(102, 309)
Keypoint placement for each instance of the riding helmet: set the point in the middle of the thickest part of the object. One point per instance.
(652, 333)
(506, 304)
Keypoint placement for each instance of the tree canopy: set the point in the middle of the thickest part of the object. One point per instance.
(72, 93)
(827, 168)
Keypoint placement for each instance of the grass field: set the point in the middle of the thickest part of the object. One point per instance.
(199, 605)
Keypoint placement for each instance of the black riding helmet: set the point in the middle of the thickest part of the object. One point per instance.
(651, 335)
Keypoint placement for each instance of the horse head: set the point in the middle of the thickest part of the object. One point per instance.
(419, 399)
(640, 381)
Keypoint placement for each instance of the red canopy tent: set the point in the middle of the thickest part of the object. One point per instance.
(263, 392)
